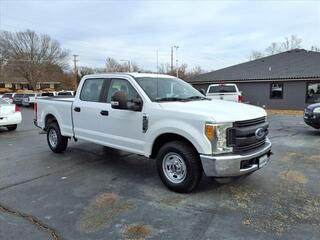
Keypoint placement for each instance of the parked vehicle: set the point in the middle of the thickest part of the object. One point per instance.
(313, 89)
(8, 97)
(162, 117)
(17, 98)
(66, 93)
(10, 115)
(312, 115)
(48, 94)
(227, 92)
(29, 99)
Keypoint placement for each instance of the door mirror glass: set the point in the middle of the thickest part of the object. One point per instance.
(135, 104)
(202, 91)
(119, 100)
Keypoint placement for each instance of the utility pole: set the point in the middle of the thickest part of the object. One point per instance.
(75, 60)
(176, 47)
(129, 63)
(171, 59)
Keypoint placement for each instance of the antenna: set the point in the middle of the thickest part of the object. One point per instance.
(157, 62)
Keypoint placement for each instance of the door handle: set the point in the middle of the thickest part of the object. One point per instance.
(104, 113)
(77, 109)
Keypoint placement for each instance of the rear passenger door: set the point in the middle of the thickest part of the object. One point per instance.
(90, 116)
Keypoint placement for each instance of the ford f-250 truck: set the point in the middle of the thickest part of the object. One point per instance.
(160, 117)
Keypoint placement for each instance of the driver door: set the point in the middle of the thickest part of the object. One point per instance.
(125, 131)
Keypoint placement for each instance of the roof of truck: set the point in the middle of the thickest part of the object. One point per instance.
(132, 74)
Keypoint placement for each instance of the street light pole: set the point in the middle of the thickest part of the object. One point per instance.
(129, 63)
(177, 69)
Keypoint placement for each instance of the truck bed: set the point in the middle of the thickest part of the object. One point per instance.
(61, 108)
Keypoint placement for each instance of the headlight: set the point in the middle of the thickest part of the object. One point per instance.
(217, 134)
(316, 110)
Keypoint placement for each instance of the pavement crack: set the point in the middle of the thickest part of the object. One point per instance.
(25, 181)
(33, 220)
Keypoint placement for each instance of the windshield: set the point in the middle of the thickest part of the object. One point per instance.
(168, 89)
(3, 101)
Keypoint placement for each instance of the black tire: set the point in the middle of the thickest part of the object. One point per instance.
(192, 163)
(12, 127)
(61, 142)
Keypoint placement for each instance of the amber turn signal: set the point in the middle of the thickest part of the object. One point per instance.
(209, 131)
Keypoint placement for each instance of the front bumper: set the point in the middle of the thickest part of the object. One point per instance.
(312, 120)
(233, 165)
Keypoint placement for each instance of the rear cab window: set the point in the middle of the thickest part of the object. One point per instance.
(222, 89)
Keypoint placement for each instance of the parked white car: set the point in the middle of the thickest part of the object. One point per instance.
(10, 115)
(8, 97)
(162, 117)
(227, 92)
(29, 99)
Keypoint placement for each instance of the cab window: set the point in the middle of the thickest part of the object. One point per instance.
(122, 85)
(91, 90)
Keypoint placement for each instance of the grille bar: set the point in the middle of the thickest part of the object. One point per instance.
(250, 122)
(242, 136)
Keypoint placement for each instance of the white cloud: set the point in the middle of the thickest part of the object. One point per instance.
(212, 34)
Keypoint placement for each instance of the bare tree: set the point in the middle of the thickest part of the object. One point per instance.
(256, 55)
(289, 43)
(273, 48)
(31, 55)
(315, 49)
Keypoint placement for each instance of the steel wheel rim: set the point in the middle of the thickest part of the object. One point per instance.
(174, 167)
(53, 138)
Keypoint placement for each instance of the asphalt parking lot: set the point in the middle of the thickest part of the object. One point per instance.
(92, 192)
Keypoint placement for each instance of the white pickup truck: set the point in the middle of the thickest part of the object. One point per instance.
(160, 117)
(226, 92)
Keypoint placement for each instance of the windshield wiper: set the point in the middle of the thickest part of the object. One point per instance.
(169, 99)
(198, 98)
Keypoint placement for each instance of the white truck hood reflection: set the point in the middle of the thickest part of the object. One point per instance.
(220, 111)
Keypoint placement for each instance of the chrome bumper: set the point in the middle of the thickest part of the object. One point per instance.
(230, 165)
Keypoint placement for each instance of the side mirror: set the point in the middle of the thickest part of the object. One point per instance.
(202, 91)
(136, 104)
(119, 100)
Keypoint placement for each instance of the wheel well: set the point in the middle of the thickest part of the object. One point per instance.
(49, 119)
(167, 137)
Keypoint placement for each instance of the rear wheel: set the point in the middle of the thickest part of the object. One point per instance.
(56, 141)
(12, 127)
(179, 166)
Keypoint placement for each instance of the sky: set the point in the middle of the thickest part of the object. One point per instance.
(210, 34)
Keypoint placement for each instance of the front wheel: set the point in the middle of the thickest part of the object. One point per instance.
(179, 166)
(56, 141)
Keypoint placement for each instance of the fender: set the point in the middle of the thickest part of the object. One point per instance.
(186, 130)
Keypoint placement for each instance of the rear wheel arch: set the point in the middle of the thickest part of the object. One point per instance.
(49, 119)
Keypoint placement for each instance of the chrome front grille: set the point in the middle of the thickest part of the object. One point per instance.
(248, 135)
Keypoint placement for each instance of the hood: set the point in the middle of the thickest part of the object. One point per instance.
(220, 111)
(313, 106)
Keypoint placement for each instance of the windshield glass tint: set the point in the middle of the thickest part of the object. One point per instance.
(222, 89)
(7, 95)
(3, 101)
(160, 88)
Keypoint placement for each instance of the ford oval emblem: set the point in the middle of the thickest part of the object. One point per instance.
(260, 132)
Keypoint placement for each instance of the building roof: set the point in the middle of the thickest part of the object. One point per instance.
(293, 64)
